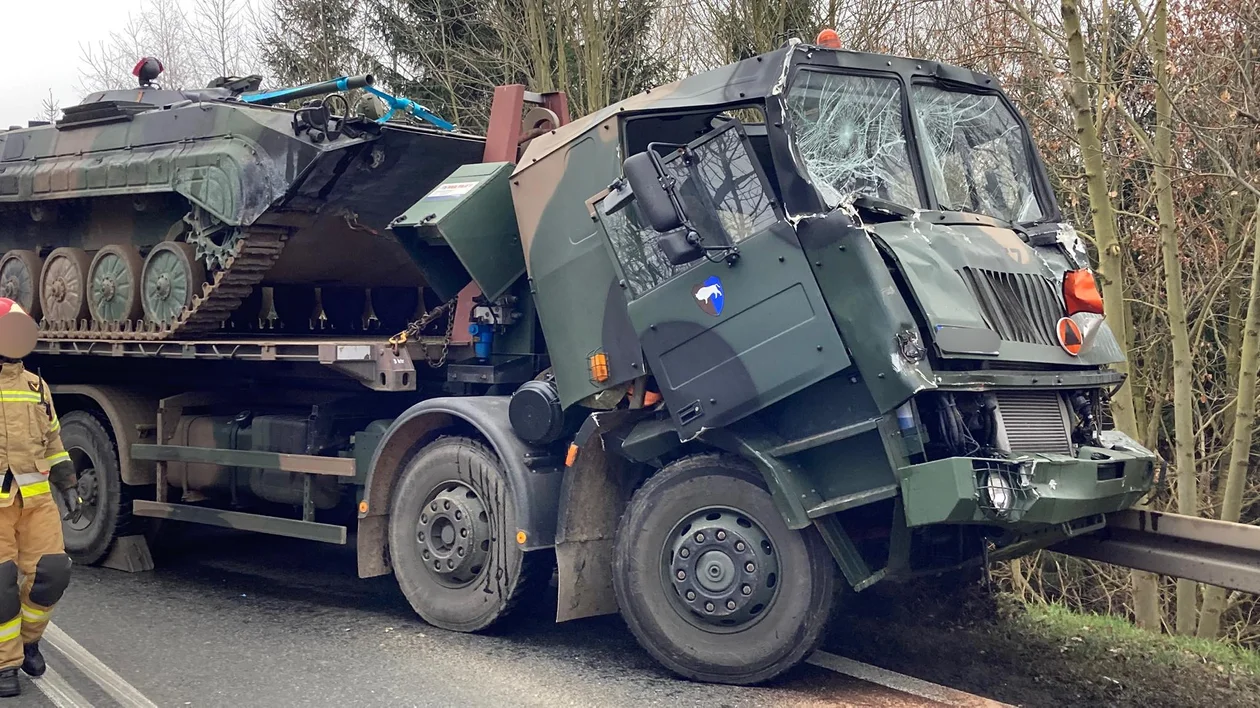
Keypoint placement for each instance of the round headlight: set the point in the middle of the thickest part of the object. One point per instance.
(998, 488)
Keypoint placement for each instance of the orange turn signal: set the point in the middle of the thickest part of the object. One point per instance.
(571, 457)
(828, 38)
(599, 367)
(1080, 293)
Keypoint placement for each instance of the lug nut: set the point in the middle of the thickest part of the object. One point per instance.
(424, 518)
(685, 553)
(433, 506)
(739, 546)
(460, 551)
(459, 515)
(721, 535)
(463, 533)
(708, 607)
(446, 504)
(691, 595)
(420, 536)
(682, 575)
(749, 567)
(747, 589)
(730, 604)
(699, 537)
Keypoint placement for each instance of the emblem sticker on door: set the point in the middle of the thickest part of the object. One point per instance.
(1070, 337)
(709, 296)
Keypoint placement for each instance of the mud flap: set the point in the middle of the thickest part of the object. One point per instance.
(592, 497)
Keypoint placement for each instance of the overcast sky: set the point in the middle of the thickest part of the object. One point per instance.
(39, 50)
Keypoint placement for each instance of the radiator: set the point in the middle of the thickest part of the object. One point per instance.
(1035, 421)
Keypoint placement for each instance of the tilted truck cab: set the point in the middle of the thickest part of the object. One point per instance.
(847, 273)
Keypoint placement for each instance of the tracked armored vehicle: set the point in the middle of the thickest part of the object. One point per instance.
(156, 214)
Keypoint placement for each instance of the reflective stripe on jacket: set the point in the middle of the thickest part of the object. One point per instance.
(31, 442)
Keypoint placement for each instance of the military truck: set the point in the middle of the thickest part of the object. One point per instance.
(713, 357)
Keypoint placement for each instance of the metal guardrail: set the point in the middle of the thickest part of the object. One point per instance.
(1207, 550)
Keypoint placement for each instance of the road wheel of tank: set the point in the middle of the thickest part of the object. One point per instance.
(395, 307)
(114, 285)
(63, 285)
(451, 537)
(710, 579)
(172, 278)
(19, 280)
(344, 307)
(106, 501)
(294, 306)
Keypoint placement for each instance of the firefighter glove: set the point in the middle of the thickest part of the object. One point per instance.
(73, 503)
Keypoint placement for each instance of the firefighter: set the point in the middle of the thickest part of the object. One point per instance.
(34, 567)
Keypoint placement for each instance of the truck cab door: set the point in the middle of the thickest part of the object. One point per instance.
(724, 339)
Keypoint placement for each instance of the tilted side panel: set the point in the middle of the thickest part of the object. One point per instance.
(580, 304)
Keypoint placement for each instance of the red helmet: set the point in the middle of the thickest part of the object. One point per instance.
(18, 330)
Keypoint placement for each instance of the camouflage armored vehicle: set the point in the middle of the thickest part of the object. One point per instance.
(157, 214)
(804, 323)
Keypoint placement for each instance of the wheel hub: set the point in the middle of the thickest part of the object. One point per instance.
(164, 286)
(58, 289)
(454, 534)
(89, 493)
(722, 567)
(10, 288)
(108, 288)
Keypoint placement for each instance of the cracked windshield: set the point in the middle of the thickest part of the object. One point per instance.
(975, 154)
(851, 137)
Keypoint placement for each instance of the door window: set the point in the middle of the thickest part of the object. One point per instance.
(723, 193)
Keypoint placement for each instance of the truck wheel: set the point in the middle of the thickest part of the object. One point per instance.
(451, 537)
(106, 501)
(710, 579)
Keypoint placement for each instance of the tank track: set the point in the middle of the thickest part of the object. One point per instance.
(256, 251)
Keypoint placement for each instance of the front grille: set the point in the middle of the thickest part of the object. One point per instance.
(1018, 306)
(1035, 421)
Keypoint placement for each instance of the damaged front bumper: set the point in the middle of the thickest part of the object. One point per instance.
(1026, 491)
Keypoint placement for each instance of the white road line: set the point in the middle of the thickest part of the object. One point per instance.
(95, 669)
(61, 693)
(900, 682)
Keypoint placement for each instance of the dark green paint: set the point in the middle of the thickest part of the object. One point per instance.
(471, 212)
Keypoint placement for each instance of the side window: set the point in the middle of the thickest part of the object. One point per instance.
(740, 199)
(643, 264)
(723, 193)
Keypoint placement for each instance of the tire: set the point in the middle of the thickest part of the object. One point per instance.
(712, 497)
(106, 498)
(484, 585)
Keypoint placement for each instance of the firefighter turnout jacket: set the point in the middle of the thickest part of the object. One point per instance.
(34, 567)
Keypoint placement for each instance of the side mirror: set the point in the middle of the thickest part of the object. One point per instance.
(644, 174)
(679, 249)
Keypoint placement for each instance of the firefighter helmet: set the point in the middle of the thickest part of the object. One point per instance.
(18, 330)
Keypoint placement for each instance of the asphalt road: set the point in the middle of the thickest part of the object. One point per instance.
(239, 620)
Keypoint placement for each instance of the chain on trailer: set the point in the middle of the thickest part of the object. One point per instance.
(415, 328)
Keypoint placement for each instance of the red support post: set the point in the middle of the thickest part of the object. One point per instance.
(504, 133)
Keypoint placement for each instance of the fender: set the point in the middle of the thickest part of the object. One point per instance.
(132, 417)
(535, 487)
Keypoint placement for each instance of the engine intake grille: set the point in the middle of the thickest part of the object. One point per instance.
(1018, 306)
(1035, 421)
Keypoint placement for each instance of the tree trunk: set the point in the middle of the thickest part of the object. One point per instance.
(1110, 260)
(1110, 256)
(1179, 331)
(1244, 418)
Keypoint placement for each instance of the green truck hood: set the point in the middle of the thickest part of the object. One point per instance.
(987, 294)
